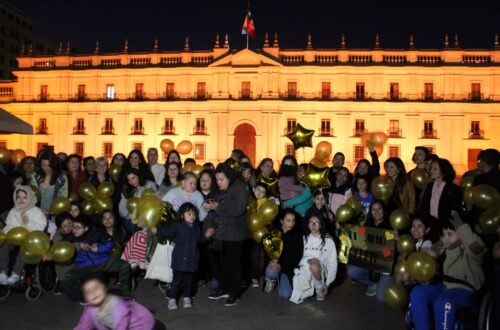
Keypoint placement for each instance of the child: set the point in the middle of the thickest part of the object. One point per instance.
(187, 193)
(23, 214)
(318, 266)
(462, 272)
(291, 254)
(185, 235)
(107, 311)
(288, 184)
(361, 193)
(320, 210)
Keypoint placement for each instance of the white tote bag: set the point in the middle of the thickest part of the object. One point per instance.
(159, 267)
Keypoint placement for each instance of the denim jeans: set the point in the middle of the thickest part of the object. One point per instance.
(362, 276)
(285, 287)
(5, 258)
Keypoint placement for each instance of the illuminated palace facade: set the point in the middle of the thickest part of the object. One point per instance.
(100, 104)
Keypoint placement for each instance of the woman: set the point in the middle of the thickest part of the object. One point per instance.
(442, 196)
(101, 172)
(50, 181)
(136, 160)
(247, 174)
(24, 214)
(118, 159)
(361, 190)
(421, 157)
(403, 196)
(186, 193)
(173, 157)
(206, 183)
(172, 179)
(27, 167)
(76, 177)
(134, 186)
(112, 231)
(228, 225)
(364, 168)
(291, 254)
(288, 184)
(318, 267)
(377, 218)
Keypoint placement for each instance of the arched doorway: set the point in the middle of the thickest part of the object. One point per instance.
(244, 139)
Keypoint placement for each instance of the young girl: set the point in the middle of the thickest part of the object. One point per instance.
(23, 214)
(186, 193)
(320, 210)
(462, 275)
(291, 254)
(361, 193)
(185, 235)
(318, 266)
(107, 311)
(288, 184)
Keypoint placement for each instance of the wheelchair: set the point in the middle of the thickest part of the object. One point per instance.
(476, 316)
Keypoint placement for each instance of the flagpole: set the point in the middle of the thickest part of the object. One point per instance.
(248, 10)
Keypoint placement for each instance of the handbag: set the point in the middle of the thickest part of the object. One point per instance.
(159, 266)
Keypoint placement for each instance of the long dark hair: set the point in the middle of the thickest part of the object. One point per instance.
(322, 230)
(370, 222)
(173, 151)
(258, 171)
(128, 190)
(118, 234)
(446, 169)
(213, 185)
(289, 170)
(54, 165)
(401, 179)
(20, 167)
(116, 155)
(166, 178)
(227, 171)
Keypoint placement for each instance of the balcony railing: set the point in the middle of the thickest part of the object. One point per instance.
(78, 130)
(201, 95)
(429, 96)
(394, 133)
(359, 95)
(325, 95)
(394, 96)
(137, 131)
(79, 97)
(199, 130)
(359, 131)
(169, 95)
(168, 131)
(43, 97)
(429, 134)
(245, 95)
(290, 95)
(476, 134)
(325, 132)
(108, 130)
(476, 96)
(42, 130)
(139, 96)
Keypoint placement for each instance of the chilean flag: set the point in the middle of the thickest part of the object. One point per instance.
(248, 27)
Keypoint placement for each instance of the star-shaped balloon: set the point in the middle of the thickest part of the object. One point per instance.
(271, 183)
(316, 178)
(301, 137)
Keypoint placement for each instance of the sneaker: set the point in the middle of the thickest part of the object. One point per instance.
(186, 302)
(372, 290)
(13, 279)
(202, 284)
(255, 283)
(231, 301)
(3, 279)
(320, 296)
(134, 265)
(269, 285)
(218, 294)
(83, 303)
(57, 288)
(172, 304)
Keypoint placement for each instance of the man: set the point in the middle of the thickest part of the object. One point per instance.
(157, 169)
(338, 161)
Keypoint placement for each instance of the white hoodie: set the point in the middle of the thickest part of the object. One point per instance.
(35, 216)
(326, 254)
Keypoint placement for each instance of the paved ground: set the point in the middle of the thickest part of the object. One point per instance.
(345, 308)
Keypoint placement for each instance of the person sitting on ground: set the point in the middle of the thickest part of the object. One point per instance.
(318, 267)
(109, 311)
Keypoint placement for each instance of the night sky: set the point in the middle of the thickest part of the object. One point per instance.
(112, 21)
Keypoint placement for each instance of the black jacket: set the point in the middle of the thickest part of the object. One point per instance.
(450, 200)
(186, 238)
(293, 248)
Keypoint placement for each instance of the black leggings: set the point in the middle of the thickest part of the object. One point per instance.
(184, 279)
(230, 275)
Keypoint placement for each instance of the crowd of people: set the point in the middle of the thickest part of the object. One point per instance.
(209, 243)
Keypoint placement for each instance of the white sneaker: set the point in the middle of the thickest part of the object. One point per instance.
(3, 279)
(320, 296)
(186, 302)
(172, 304)
(255, 283)
(13, 279)
(269, 285)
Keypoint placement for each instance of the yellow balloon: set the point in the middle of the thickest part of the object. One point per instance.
(382, 188)
(4, 156)
(258, 234)
(271, 183)
(87, 191)
(484, 196)
(73, 197)
(316, 178)
(268, 211)
(106, 189)
(132, 204)
(251, 204)
(102, 204)
(405, 244)
(301, 137)
(62, 251)
(355, 205)
(419, 178)
(468, 195)
(273, 244)
(148, 192)
(399, 219)
(36, 243)
(254, 221)
(378, 139)
(189, 167)
(3, 237)
(344, 213)
(395, 295)
(149, 210)
(114, 171)
(400, 267)
(197, 170)
(60, 204)
(184, 147)
(28, 257)
(421, 266)
(17, 235)
(467, 182)
(489, 221)
(166, 145)
(87, 207)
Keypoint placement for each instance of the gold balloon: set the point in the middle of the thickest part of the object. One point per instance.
(4, 156)
(419, 178)
(254, 221)
(316, 178)
(114, 171)
(268, 211)
(87, 191)
(73, 197)
(484, 196)
(489, 221)
(184, 147)
(467, 182)
(60, 204)
(273, 244)
(405, 244)
(301, 137)
(258, 234)
(232, 164)
(189, 167)
(378, 139)
(271, 183)
(382, 188)
(36, 243)
(318, 163)
(344, 213)
(197, 170)
(29, 257)
(396, 296)
(365, 137)
(87, 207)
(421, 266)
(468, 195)
(323, 151)
(399, 219)
(62, 251)
(167, 145)
(17, 235)
(17, 155)
(400, 267)
(379, 150)
(355, 205)
(149, 210)
(102, 204)
(132, 203)
(106, 189)
(148, 192)
(3, 237)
